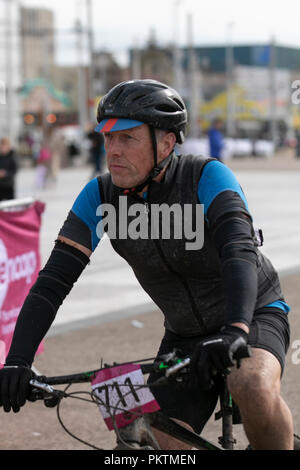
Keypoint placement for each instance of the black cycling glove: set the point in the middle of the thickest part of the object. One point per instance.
(214, 355)
(14, 386)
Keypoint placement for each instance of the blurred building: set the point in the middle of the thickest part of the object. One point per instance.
(154, 61)
(107, 72)
(65, 78)
(42, 104)
(10, 69)
(259, 87)
(261, 81)
(37, 46)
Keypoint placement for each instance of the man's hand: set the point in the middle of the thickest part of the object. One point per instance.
(214, 354)
(14, 386)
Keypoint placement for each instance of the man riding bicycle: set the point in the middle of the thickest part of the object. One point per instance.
(212, 296)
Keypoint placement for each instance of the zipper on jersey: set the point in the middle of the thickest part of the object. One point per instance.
(147, 208)
(172, 270)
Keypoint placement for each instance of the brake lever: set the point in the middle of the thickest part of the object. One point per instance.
(172, 370)
(54, 395)
(42, 386)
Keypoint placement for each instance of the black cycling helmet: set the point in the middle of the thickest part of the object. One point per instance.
(136, 102)
(148, 101)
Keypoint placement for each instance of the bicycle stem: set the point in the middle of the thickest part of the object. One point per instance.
(177, 367)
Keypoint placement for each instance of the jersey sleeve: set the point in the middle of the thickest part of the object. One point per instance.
(220, 192)
(230, 226)
(81, 223)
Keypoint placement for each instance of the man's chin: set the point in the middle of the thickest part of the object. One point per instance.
(120, 183)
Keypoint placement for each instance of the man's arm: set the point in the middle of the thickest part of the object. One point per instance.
(54, 282)
(38, 312)
(230, 227)
(70, 255)
(76, 241)
(76, 245)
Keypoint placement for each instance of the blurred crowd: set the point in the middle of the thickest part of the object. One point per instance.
(59, 148)
(48, 153)
(8, 170)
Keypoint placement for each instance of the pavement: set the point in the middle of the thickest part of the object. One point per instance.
(108, 316)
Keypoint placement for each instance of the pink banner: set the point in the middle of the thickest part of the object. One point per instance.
(19, 266)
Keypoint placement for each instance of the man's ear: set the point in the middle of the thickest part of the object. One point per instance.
(167, 144)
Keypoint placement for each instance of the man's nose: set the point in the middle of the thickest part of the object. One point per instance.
(114, 146)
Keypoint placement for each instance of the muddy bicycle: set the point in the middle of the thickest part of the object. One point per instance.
(129, 408)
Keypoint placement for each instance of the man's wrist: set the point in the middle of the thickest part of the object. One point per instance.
(242, 326)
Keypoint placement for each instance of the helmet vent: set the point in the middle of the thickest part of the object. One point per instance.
(164, 108)
(180, 104)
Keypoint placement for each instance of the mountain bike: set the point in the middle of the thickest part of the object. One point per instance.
(129, 408)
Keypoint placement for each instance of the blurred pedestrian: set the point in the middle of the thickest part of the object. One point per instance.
(8, 170)
(297, 149)
(43, 165)
(73, 151)
(216, 140)
(97, 152)
(58, 150)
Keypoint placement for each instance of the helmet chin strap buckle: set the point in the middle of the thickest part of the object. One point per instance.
(155, 171)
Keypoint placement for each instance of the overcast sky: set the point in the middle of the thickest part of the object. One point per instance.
(119, 23)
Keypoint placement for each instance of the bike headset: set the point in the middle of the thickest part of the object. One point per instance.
(136, 102)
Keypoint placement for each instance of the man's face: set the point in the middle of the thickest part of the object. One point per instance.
(129, 155)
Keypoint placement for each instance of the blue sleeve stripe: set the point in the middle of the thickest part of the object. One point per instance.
(85, 207)
(280, 304)
(217, 178)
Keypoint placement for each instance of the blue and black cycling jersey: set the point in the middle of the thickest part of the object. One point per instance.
(216, 179)
(225, 281)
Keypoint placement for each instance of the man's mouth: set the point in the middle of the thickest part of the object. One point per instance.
(116, 166)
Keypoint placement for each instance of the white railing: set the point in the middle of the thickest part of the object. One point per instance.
(16, 204)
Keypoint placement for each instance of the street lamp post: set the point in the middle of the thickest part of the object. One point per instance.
(230, 109)
(177, 69)
(82, 88)
(9, 70)
(193, 81)
(91, 88)
(273, 93)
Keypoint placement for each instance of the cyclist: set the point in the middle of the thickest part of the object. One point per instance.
(212, 297)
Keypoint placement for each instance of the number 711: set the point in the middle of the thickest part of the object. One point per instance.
(109, 388)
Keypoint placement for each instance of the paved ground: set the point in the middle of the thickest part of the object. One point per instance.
(116, 337)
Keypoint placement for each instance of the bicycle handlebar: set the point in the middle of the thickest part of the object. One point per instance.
(42, 386)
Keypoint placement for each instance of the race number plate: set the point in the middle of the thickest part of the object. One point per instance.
(121, 398)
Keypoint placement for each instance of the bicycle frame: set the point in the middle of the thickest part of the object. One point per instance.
(163, 423)
(228, 411)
